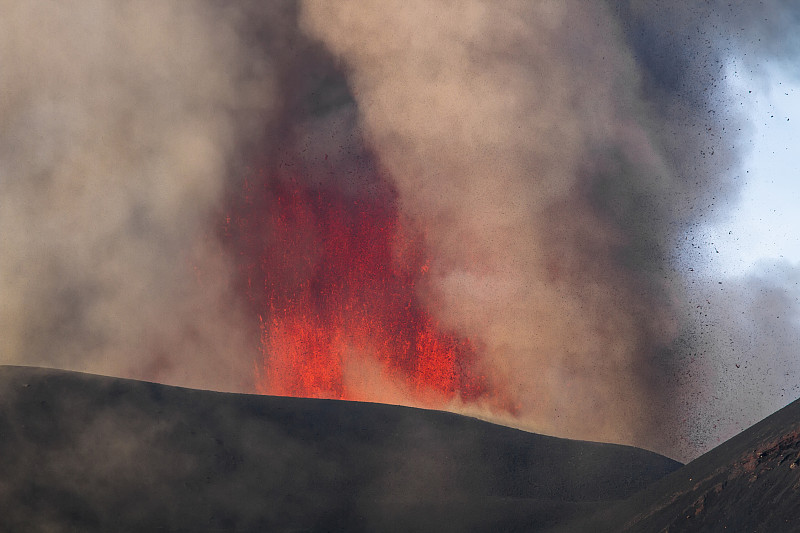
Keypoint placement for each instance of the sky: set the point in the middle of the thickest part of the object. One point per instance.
(762, 224)
(743, 269)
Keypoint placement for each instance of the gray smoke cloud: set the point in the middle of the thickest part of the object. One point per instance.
(734, 362)
(556, 153)
(118, 123)
(741, 364)
(493, 122)
(502, 128)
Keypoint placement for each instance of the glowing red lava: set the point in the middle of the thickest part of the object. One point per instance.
(333, 280)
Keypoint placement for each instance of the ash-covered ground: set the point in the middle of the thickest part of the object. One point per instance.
(86, 453)
(80, 452)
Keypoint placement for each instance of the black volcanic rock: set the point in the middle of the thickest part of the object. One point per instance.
(749, 483)
(88, 453)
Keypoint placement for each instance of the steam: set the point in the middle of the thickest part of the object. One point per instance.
(118, 123)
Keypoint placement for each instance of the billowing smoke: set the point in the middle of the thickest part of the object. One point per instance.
(742, 364)
(506, 130)
(734, 361)
(557, 152)
(554, 155)
(119, 120)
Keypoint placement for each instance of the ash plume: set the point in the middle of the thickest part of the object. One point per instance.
(119, 121)
(504, 128)
(555, 154)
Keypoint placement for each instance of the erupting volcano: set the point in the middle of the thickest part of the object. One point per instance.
(332, 277)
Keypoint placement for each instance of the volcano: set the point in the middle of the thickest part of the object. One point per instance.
(749, 483)
(81, 452)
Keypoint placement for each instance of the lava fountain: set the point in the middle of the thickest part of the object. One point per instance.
(332, 278)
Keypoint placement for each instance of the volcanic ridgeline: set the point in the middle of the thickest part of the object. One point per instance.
(87, 453)
(749, 483)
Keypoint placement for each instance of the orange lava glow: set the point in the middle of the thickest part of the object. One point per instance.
(333, 280)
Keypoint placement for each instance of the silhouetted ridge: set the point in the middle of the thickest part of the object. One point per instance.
(93, 453)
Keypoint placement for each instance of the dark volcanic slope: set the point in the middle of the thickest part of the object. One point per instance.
(749, 483)
(88, 453)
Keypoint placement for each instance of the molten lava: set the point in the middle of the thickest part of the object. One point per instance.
(333, 279)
